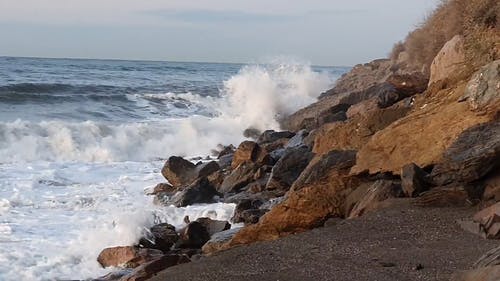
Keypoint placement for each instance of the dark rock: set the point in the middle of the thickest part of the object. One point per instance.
(243, 205)
(148, 270)
(226, 160)
(127, 256)
(269, 204)
(289, 168)
(491, 258)
(239, 178)
(418, 267)
(250, 216)
(297, 140)
(272, 136)
(489, 221)
(472, 156)
(194, 236)
(162, 188)
(483, 88)
(373, 200)
(226, 150)
(114, 276)
(201, 191)
(213, 226)
(413, 180)
(161, 236)
(252, 133)
(218, 241)
(449, 196)
(387, 264)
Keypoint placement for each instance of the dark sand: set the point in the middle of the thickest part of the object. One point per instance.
(383, 246)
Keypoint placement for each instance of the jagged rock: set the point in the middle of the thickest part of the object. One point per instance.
(437, 123)
(242, 175)
(194, 236)
(363, 108)
(489, 221)
(161, 236)
(288, 168)
(443, 197)
(148, 270)
(250, 152)
(317, 195)
(213, 226)
(243, 205)
(449, 61)
(226, 160)
(250, 216)
(127, 256)
(473, 155)
(484, 86)
(162, 188)
(378, 192)
(201, 191)
(269, 136)
(218, 242)
(491, 258)
(180, 172)
(297, 140)
(354, 197)
(413, 180)
(226, 150)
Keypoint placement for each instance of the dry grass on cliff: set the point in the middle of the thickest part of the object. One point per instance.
(477, 20)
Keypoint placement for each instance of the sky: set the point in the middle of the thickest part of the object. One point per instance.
(322, 32)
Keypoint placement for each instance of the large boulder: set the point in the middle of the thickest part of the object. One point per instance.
(422, 136)
(240, 177)
(201, 191)
(414, 180)
(180, 172)
(484, 86)
(450, 61)
(270, 136)
(250, 152)
(243, 206)
(374, 198)
(288, 168)
(213, 226)
(474, 154)
(489, 221)
(318, 194)
(127, 256)
(148, 270)
(219, 241)
(194, 236)
(161, 236)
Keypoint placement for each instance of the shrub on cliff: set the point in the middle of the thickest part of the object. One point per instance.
(477, 20)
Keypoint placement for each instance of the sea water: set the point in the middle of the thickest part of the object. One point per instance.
(81, 141)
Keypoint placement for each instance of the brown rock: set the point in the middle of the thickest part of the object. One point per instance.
(249, 152)
(362, 108)
(491, 258)
(148, 270)
(443, 197)
(126, 256)
(355, 196)
(449, 61)
(162, 188)
(380, 191)
(180, 172)
(288, 168)
(492, 187)
(490, 273)
(473, 155)
(413, 180)
(420, 137)
(489, 221)
(239, 177)
(317, 195)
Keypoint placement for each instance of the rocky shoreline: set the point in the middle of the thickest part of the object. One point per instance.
(391, 139)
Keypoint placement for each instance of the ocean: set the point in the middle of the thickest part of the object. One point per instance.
(81, 140)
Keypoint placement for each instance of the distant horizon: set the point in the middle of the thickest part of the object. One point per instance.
(324, 33)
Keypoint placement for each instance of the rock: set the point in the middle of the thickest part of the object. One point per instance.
(317, 195)
(201, 191)
(114, 276)
(243, 205)
(491, 258)
(288, 168)
(213, 226)
(250, 216)
(449, 61)
(249, 152)
(297, 140)
(484, 86)
(226, 150)
(452, 196)
(242, 175)
(373, 200)
(162, 188)
(194, 236)
(252, 133)
(472, 155)
(362, 108)
(489, 221)
(413, 180)
(490, 273)
(180, 172)
(161, 236)
(269, 136)
(127, 256)
(437, 123)
(148, 270)
(226, 160)
(219, 241)
(354, 197)
(492, 187)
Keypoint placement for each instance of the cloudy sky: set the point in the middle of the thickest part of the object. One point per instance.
(324, 32)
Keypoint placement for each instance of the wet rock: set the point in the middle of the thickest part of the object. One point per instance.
(162, 188)
(226, 160)
(297, 140)
(484, 87)
(250, 216)
(413, 180)
(288, 168)
(270, 136)
(148, 270)
(450, 196)
(127, 256)
(252, 133)
(218, 241)
(180, 172)
(473, 155)
(243, 205)
(201, 191)
(226, 150)
(114, 276)
(242, 175)
(250, 152)
(449, 61)
(373, 200)
(489, 221)
(161, 236)
(317, 195)
(194, 236)
(213, 226)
